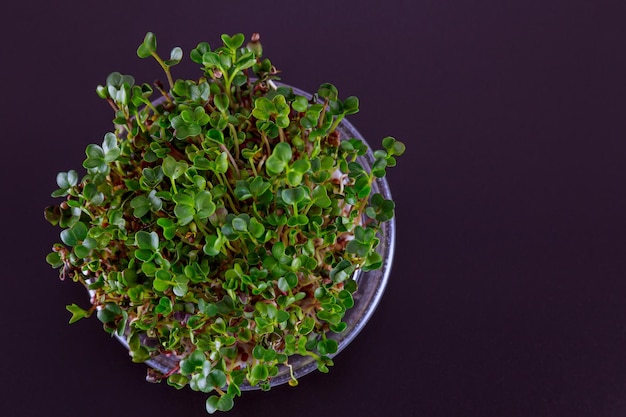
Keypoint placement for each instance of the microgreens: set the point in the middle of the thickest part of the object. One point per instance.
(222, 223)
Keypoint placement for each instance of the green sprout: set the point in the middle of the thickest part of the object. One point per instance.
(222, 223)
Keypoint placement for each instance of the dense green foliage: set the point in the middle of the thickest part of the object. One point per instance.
(222, 222)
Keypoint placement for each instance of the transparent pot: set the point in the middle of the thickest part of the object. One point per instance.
(371, 284)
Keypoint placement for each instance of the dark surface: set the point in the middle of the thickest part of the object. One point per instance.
(507, 296)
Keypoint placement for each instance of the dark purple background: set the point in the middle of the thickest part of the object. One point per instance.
(508, 292)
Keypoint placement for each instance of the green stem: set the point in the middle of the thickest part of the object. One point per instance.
(256, 212)
(253, 167)
(227, 183)
(233, 133)
(323, 114)
(201, 226)
(261, 162)
(118, 169)
(150, 106)
(227, 195)
(256, 242)
(227, 84)
(84, 210)
(313, 355)
(229, 246)
(266, 142)
(138, 120)
(229, 81)
(231, 159)
(307, 208)
(336, 123)
(165, 68)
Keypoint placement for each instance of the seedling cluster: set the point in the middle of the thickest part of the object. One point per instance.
(222, 222)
